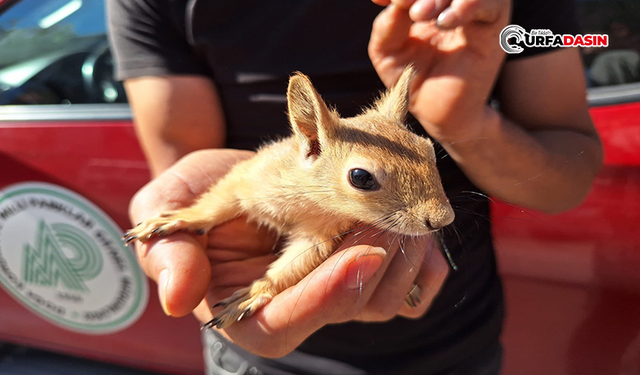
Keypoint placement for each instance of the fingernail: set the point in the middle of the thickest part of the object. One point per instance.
(362, 269)
(423, 11)
(163, 282)
(446, 19)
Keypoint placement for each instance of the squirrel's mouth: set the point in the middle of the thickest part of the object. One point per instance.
(419, 220)
(407, 226)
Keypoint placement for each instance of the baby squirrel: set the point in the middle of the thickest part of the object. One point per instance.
(315, 185)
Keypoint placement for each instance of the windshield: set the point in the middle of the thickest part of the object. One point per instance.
(35, 28)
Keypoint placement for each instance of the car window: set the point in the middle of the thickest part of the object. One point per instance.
(619, 63)
(56, 52)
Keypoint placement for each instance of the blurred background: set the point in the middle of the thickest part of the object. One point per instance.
(572, 281)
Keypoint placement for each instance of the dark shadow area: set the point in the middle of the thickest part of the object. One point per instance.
(20, 360)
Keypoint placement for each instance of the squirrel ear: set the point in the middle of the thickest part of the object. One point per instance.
(310, 118)
(394, 103)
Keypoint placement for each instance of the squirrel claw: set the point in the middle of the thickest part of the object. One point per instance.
(245, 313)
(240, 305)
(210, 324)
(222, 303)
(128, 238)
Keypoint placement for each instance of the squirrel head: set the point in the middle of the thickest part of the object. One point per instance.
(374, 169)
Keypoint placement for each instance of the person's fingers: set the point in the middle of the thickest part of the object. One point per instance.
(399, 277)
(201, 169)
(334, 292)
(237, 239)
(431, 278)
(231, 271)
(404, 4)
(425, 10)
(390, 31)
(450, 14)
(181, 184)
(383, 3)
(181, 269)
(178, 263)
(465, 11)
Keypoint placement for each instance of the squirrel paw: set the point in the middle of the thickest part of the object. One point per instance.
(242, 304)
(157, 227)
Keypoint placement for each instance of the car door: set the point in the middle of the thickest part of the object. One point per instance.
(69, 157)
(572, 281)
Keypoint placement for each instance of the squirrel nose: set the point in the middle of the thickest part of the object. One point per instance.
(428, 224)
(437, 224)
(440, 221)
(433, 224)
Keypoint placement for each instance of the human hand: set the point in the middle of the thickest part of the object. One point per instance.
(454, 46)
(180, 263)
(360, 282)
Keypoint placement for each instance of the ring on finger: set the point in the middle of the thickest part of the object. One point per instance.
(413, 297)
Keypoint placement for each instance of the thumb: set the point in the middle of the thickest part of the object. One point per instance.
(334, 292)
(181, 269)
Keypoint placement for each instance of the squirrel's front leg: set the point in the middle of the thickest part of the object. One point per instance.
(215, 207)
(301, 256)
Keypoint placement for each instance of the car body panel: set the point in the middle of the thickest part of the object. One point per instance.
(572, 281)
(102, 161)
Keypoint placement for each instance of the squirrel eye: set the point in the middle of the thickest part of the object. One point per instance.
(361, 179)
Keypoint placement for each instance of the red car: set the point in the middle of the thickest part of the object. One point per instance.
(70, 163)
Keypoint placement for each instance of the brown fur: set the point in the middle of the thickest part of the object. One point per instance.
(300, 188)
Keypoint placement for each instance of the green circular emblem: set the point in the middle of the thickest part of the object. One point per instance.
(62, 258)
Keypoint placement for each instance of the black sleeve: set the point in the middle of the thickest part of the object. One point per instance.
(559, 16)
(148, 38)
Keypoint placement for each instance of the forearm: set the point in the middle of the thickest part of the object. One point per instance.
(163, 148)
(550, 170)
(175, 115)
